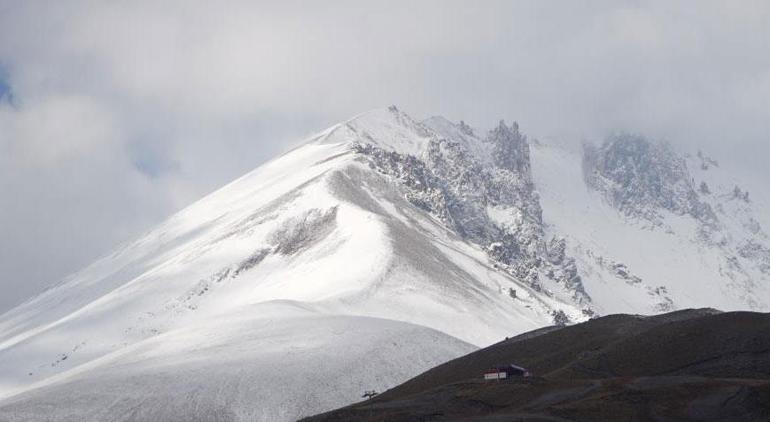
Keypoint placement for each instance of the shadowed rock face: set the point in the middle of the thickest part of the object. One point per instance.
(686, 365)
(510, 149)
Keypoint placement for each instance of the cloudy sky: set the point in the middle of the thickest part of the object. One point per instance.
(115, 114)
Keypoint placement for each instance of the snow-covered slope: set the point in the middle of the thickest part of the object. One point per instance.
(317, 226)
(271, 361)
(378, 248)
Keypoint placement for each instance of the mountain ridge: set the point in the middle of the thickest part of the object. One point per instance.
(429, 223)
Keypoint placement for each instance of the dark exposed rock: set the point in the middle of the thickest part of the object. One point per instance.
(640, 178)
(303, 231)
(741, 195)
(464, 128)
(704, 189)
(510, 149)
(251, 261)
(560, 318)
(706, 162)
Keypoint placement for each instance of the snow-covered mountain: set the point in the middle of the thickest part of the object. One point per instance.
(654, 230)
(379, 248)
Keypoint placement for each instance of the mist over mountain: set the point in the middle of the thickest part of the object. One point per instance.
(114, 116)
(270, 210)
(377, 249)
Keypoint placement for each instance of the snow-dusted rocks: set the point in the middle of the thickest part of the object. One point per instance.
(482, 190)
(642, 178)
(652, 229)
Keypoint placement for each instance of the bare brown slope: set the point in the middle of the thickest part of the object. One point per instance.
(686, 365)
(543, 351)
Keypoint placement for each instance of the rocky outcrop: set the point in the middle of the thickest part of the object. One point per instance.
(641, 178)
(647, 181)
(494, 206)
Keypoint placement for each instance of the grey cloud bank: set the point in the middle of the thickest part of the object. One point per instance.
(125, 112)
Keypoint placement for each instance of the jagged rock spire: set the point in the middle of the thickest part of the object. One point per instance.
(510, 148)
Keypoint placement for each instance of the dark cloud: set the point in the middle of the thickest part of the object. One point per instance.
(6, 94)
(125, 111)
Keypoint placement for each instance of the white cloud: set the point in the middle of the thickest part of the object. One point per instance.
(57, 128)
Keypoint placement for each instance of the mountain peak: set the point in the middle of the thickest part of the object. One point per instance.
(388, 128)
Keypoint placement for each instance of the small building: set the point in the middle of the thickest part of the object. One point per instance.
(505, 371)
